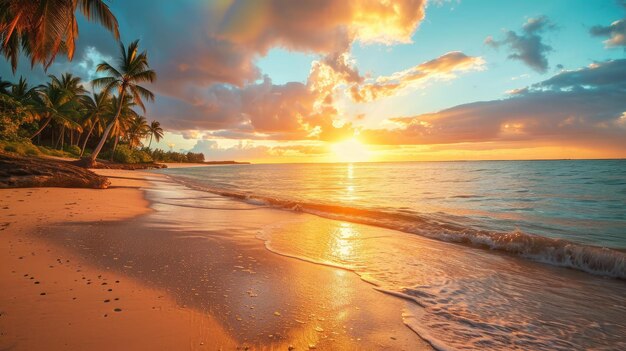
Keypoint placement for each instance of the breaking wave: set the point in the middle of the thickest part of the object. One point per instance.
(591, 259)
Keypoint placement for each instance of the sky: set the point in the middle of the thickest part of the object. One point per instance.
(375, 80)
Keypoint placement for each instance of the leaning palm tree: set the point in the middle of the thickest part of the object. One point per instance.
(133, 69)
(155, 130)
(122, 125)
(96, 108)
(41, 29)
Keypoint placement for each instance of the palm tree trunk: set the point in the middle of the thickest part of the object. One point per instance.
(80, 135)
(42, 127)
(62, 137)
(94, 154)
(117, 139)
(150, 143)
(56, 145)
(82, 150)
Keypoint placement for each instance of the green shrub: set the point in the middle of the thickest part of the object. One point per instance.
(10, 148)
(32, 152)
(142, 156)
(123, 154)
(73, 149)
(52, 152)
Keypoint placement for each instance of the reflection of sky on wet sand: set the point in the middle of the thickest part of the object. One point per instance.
(466, 292)
(202, 249)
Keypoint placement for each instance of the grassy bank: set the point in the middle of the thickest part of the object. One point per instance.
(26, 148)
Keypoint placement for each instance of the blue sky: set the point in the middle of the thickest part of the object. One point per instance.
(463, 26)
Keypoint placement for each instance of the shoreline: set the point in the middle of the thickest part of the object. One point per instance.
(276, 303)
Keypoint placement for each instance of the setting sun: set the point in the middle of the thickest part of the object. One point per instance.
(350, 150)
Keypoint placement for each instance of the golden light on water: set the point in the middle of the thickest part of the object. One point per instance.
(350, 150)
(342, 246)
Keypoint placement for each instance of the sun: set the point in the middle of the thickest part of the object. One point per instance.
(350, 150)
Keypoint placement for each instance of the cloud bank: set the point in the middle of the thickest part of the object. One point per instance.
(584, 106)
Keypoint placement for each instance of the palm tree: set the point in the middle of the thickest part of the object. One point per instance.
(59, 99)
(155, 131)
(96, 108)
(43, 28)
(137, 130)
(22, 97)
(123, 123)
(133, 69)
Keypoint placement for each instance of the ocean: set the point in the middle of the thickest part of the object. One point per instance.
(489, 254)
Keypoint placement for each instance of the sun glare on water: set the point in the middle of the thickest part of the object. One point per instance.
(350, 150)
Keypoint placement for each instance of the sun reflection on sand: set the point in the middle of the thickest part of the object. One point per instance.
(342, 247)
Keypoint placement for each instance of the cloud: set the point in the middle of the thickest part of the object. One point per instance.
(210, 86)
(442, 68)
(616, 32)
(249, 151)
(213, 152)
(263, 110)
(320, 26)
(207, 74)
(218, 42)
(528, 46)
(581, 107)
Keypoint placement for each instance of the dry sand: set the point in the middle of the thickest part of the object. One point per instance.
(51, 299)
(108, 269)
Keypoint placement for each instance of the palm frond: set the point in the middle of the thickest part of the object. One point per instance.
(99, 11)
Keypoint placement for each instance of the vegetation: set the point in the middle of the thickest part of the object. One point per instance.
(41, 29)
(26, 148)
(61, 115)
(159, 155)
(133, 69)
(61, 118)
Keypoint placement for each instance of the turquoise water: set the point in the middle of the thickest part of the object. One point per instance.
(580, 201)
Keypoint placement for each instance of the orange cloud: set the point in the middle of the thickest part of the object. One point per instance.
(320, 26)
(442, 68)
(582, 107)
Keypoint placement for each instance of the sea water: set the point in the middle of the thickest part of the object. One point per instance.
(490, 255)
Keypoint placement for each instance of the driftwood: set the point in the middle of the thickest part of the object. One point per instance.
(26, 172)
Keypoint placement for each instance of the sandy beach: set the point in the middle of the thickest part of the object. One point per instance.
(138, 266)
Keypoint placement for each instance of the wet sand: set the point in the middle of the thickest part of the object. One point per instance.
(185, 276)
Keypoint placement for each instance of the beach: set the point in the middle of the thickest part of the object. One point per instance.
(136, 267)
